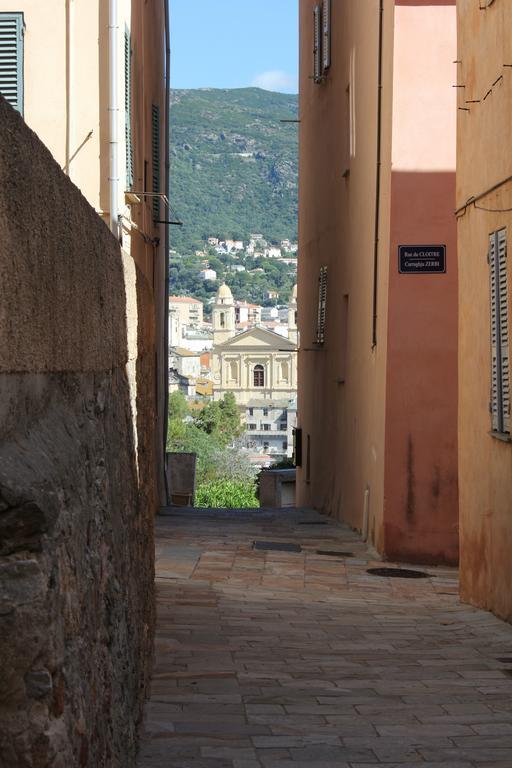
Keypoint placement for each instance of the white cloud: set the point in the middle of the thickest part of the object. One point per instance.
(275, 80)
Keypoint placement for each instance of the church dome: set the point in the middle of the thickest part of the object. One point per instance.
(225, 292)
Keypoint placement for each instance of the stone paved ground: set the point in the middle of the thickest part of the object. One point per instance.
(299, 660)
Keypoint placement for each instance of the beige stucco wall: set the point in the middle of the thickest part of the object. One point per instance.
(66, 83)
(76, 500)
(485, 463)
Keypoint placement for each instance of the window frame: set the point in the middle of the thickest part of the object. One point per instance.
(258, 375)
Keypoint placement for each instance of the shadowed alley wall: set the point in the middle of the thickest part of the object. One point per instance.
(76, 504)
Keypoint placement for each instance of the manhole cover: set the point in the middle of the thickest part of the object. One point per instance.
(333, 553)
(277, 546)
(398, 573)
(314, 522)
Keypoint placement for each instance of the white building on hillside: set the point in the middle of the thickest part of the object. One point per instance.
(208, 274)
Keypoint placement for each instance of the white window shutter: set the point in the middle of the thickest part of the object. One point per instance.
(500, 346)
(326, 35)
(322, 306)
(504, 331)
(317, 44)
(11, 59)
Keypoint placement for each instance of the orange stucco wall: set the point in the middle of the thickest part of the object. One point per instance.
(380, 419)
(484, 160)
(342, 383)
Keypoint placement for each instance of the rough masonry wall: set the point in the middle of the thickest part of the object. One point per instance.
(76, 506)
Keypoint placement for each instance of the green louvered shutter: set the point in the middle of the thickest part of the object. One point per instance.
(155, 156)
(11, 59)
(128, 108)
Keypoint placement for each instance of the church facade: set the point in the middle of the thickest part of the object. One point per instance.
(256, 364)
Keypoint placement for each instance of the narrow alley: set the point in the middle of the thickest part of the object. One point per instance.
(299, 658)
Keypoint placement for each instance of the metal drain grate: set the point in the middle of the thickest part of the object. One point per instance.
(277, 546)
(314, 522)
(333, 553)
(398, 573)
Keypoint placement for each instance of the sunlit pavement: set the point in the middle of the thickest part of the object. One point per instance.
(287, 659)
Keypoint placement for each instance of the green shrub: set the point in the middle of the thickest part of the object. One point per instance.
(227, 494)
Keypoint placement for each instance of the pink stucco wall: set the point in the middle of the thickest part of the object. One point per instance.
(421, 494)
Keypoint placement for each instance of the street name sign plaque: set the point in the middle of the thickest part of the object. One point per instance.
(421, 259)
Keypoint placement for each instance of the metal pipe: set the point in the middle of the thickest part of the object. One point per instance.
(378, 177)
(166, 241)
(113, 109)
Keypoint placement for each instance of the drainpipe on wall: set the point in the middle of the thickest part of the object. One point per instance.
(166, 239)
(113, 109)
(378, 177)
(69, 82)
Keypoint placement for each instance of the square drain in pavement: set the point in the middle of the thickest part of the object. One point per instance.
(277, 546)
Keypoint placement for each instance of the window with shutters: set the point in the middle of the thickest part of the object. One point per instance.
(326, 35)
(317, 44)
(500, 359)
(128, 108)
(11, 59)
(321, 40)
(155, 160)
(322, 306)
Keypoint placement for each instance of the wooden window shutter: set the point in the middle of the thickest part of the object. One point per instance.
(322, 306)
(128, 108)
(155, 157)
(317, 44)
(326, 35)
(500, 348)
(11, 59)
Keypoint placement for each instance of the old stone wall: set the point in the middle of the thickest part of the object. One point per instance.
(77, 490)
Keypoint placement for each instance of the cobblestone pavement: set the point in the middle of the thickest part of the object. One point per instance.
(301, 659)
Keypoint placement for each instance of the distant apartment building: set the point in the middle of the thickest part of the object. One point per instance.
(185, 362)
(188, 309)
(272, 253)
(213, 241)
(266, 424)
(484, 219)
(88, 78)
(197, 340)
(208, 274)
(378, 270)
(247, 314)
(234, 245)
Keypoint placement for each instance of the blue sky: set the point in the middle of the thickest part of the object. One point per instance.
(234, 44)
